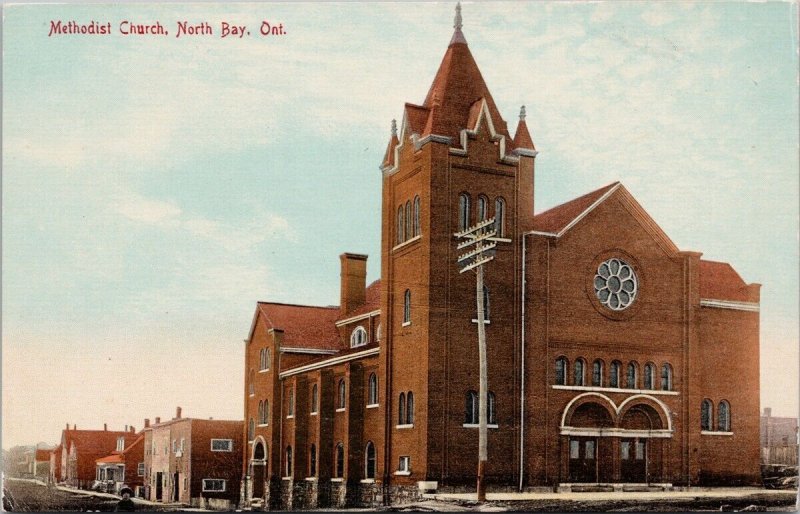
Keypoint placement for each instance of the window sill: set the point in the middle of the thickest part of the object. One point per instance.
(402, 473)
(341, 409)
(475, 425)
(715, 432)
(407, 242)
(312, 413)
(263, 370)
(368, 481)
(290, 416)
(311, 479)
(287, 478)
(613, 390)
(405, 324)
(338, 479)
(373, 406)
(485, 322)
(252, 395)
(404, 426)
(259, 426)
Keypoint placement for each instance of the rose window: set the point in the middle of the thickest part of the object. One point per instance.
(615, 284)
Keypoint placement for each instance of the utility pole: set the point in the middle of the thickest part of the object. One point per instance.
(481, 236)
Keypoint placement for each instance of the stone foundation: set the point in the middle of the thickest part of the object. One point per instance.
(290, 494)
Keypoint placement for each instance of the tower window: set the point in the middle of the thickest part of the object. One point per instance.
(400, 225)
(401, 409)
(561, 371)
(706, 413)
(666, 377)
(613, 379)
(373, 390)
(579, 372)
(342, 394)
(314, 399)
(463, 211)
(358, 337)
(288, 461)
(407, 307)
(649, 378)
(312, 461)
(724, 417)
(369, 467)
(500, 217)
(410, 408)
(409, 222)
(597, 373)
(483, 208)
(471, 409)
(339, 460)
(415, 226)
(630, 379)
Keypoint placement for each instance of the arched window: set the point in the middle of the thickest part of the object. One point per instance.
(706, 414)
(483, 208)
(410, 408)
(401, 409)
(358, 337)
(342, 394)
(471, 408)
(666, 377)
(407, 307)
(261, 358)
(400, 225)
(491, 417)
(630, 378)
(312, 461)
(267, 358)
(463, 211)
(369, 465)
(379, 332)
(259, 452)
(724, 417)
(649, 376)
(252, 385)
(613, 379)
(339, 460)
(500, 217)
(314, 398)
(561, 371)
(260, 411)
(579, 372)
(372, 398)
(288, 461)
(597, 373)
(415, 226)
(290, 397)
(251, 430)
(409, 221)
(265, 416)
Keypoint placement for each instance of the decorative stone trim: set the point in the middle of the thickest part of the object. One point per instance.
(715, 432)
(597, 389)
(727, 304)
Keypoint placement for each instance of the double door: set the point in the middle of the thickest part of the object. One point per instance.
(633, 460)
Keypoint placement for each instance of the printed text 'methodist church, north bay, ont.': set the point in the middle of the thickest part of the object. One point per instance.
(614, 357)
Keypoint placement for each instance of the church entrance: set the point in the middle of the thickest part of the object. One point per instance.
(633, 460)
(259, 467)
(583, 459)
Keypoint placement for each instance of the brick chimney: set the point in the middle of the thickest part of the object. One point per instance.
(105, 427)
(158, 420)
(177, 413)
(133, 430)
(67, 426)
(126, 428)
(146, 423)
(353, 281)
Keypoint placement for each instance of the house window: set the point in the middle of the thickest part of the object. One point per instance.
(471, 408)
(252, 384)
(369, 465)
(483, 208)
(222, 445)
(400, 225)
(409, 221)
(561, 371)
(630, 379)
(613, 379)
(405, 464)
(666, 377)
(339, 460)
(649, 378)
(415, 227)
(706, 413)
(251, 430)
(491, 418)
(579, 372)
(174, 446)
(463, 211)
(410, 408)
(140, 469)
(342, 394)
(597, 373)
(724, 417)
(407, 307)
(288, 461)
(183, 444)
(290, 396)
(372, 397)
(314, 399)
(358, 337)
(499, 217)
(312, 461)
(401, 409)
(213, 485)
(120, 444)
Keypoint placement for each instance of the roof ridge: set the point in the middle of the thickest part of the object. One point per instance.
(261, 302)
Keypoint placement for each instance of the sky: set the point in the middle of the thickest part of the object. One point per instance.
(154, 188)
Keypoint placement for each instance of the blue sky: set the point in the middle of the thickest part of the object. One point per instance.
(155, 188)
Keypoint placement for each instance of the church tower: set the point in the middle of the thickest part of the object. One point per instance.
(449, 164)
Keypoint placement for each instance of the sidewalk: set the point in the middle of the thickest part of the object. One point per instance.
(732, 492)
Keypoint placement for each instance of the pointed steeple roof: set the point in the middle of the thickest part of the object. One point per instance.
(457, 86)
(388, 158)
(522, 138)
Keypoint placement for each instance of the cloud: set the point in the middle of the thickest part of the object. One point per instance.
(152, 212)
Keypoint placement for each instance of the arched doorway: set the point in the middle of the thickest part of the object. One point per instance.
(259, 468)
(640, 455)
(586, 449)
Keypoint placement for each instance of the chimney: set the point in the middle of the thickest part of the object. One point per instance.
(146, 423)
(105, 427)
(74, 426)
(158, 420)
(177, 413)
(353, 281)
(67, 426)
(133, 430)
(126, 428)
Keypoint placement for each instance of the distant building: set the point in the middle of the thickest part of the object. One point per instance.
(195, 462)
(55, 465)
(779, 439)
(124, 467)
(41, 465)
(80, 450)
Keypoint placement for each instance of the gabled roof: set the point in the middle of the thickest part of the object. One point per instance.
(119, 457)
(96, 440)
(556, 220)
(303, 326)
(111, 459)
(719, 281)
(372, 302)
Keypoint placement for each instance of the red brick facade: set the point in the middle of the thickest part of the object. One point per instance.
(605, 340)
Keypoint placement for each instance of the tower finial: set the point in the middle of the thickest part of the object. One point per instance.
(457, 23)
(394, 127)
(522, 113)
(458, 36)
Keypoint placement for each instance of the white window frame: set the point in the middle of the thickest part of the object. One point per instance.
(358, 337)
(404, 465)
(140, 470)
(224, 485)
(229, 441)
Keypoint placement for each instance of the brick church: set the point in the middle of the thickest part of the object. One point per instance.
(615, 359)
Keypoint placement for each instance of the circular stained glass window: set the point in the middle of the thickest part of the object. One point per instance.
(615, 284)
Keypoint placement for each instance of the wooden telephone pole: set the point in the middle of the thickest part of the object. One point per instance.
(480, 238)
